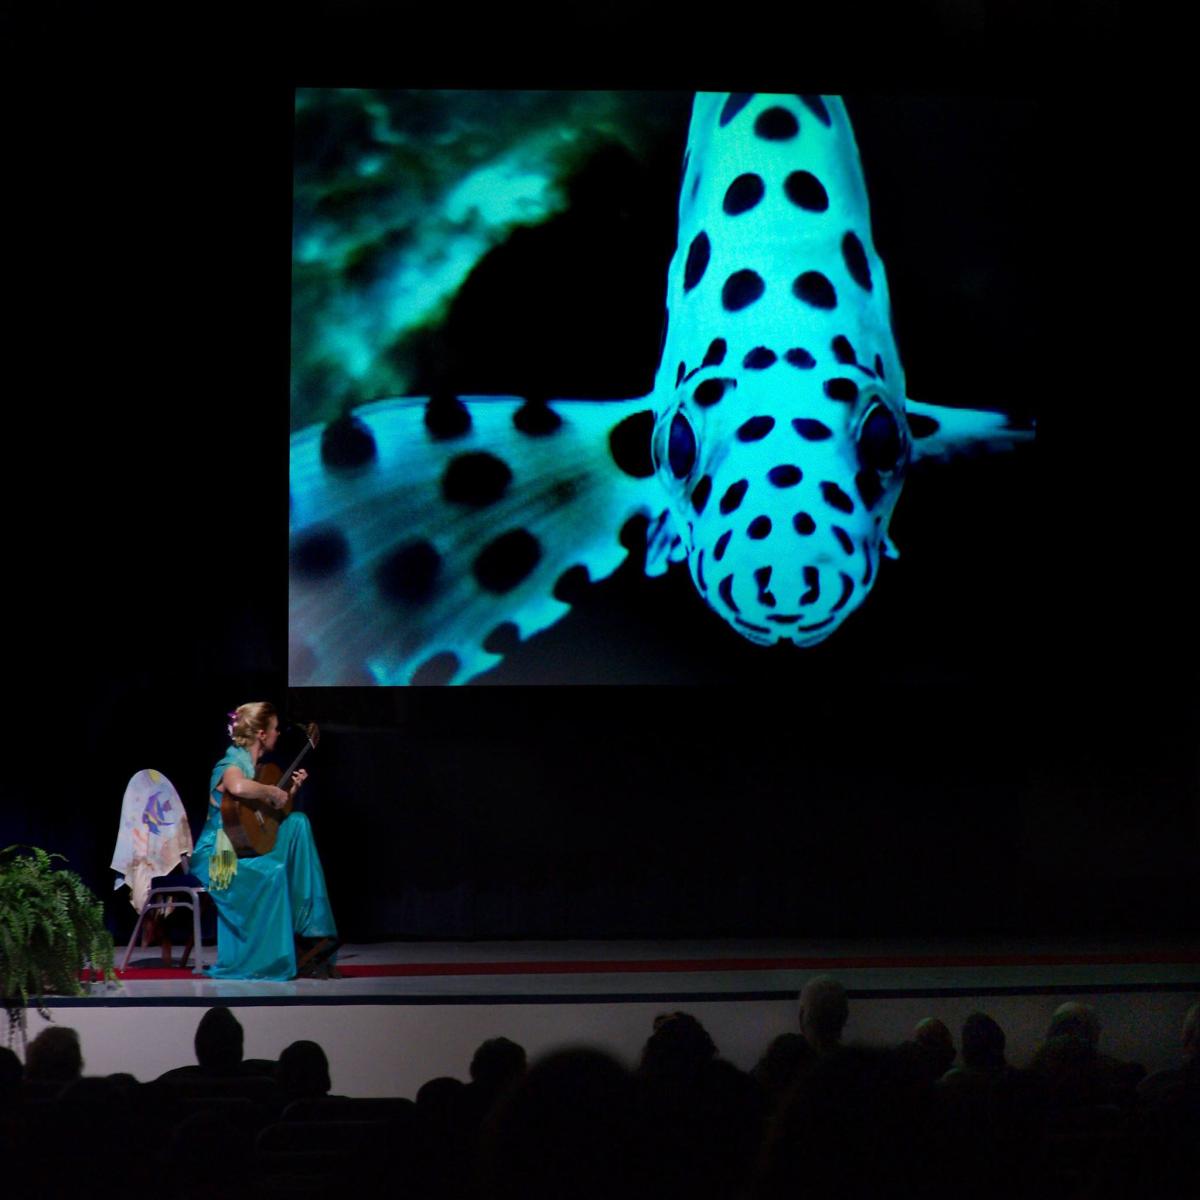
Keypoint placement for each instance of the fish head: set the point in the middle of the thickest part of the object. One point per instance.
(782, 485)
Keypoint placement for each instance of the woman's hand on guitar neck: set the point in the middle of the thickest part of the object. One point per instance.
(298, 777)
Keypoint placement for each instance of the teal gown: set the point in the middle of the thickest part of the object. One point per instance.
(271, 898)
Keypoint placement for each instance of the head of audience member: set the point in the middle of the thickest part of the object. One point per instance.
(497, 1063)
(823, 1013)
(1077, 1020)
(982, 1043)
(54, 1056)
(936, 1044)
(303, 1071)
(1191, 1036)
(679, 1046)
(440, 1103)
(569, 1127)
(785, 1059)
(219, 1041)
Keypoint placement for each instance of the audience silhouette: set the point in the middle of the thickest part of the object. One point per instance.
(814, 1116)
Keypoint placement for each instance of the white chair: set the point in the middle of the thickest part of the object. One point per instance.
(154, 841)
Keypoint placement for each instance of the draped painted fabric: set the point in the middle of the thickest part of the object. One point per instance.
(271, 897)
(154, 834)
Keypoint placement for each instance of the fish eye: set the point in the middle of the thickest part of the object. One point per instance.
(681, 447)
(880, 444)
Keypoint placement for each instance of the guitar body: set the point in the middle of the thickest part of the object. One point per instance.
(253, 825)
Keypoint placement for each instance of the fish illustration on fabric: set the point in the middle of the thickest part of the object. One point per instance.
(769, 456)
(157, 812)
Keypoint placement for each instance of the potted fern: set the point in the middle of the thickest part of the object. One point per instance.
(51, 926)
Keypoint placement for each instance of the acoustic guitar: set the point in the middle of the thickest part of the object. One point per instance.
(253, 825)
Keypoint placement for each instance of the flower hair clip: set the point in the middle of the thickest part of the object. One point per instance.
(232, 721)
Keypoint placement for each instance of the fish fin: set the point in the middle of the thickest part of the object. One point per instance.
(941, 432)
(440, 532)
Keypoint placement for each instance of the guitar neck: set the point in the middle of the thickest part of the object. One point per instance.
(286, 778)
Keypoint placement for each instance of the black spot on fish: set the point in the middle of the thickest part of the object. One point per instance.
(799, 357)
(743, 194)
(697, 261)
(634, 532)
(536, 418)
(505, 561)
(447, 417)
(843, 351)
(701, 493)
(785, 475)
(504, 639)
(845, 390)
(816, 106)
(804, 524)
(725, 589)
(812, 582)
(811, 431)
(714, 356)
(722, 544)
(847, 591)
(741, 289)
(836, 498)
(776, 125)
(759, 528)
(763, 578)
(709, 392)
(571, 586)
(856, 261)
(437, 671)
(734, 495)
(347, 443)
(320, 553)
(844, 539)
(629, 444)
(814, 289)
(755, 429)
(921, 426)
(409, 574)
(759, 359)
(870, 488)
(477, 479)
(734, 105)
(806, 191)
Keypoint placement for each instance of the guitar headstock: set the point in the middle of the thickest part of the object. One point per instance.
(312, 733)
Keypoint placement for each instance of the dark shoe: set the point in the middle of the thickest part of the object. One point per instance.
(315, 956)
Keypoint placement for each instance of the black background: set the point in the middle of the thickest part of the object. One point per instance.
(1010, 744)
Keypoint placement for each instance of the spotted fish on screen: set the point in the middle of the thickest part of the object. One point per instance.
(769, 456)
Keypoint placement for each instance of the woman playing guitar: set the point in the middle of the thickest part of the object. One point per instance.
(269, 902)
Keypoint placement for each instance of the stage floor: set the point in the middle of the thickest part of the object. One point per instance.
(407, 1012)
(493, 972)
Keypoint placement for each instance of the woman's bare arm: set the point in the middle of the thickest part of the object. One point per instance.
(234, 783)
